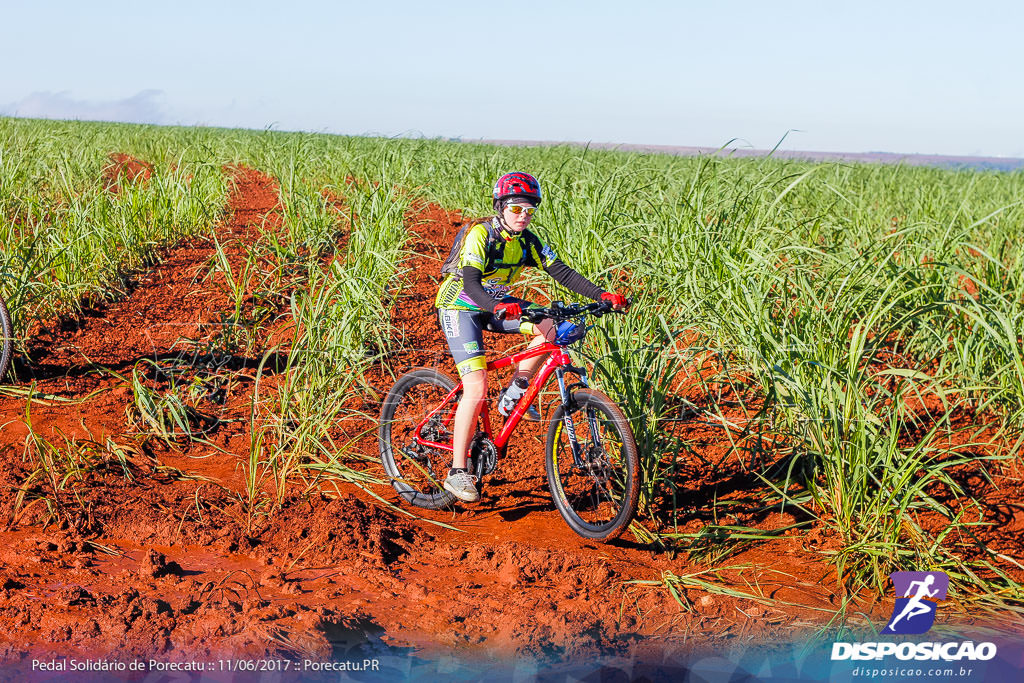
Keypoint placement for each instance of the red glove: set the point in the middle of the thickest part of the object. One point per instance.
(615, 299)
(511, 311)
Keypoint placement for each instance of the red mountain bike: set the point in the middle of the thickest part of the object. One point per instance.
(591, 454)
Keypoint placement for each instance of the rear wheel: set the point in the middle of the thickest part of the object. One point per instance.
(417, 472)
(598, 498)
(7, 345)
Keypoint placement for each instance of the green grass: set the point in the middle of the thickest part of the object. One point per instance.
(69, 242)
(823, 304)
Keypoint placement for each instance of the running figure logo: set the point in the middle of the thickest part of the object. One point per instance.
(917, 595)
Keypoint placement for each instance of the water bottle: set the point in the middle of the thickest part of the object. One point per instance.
(512, 395)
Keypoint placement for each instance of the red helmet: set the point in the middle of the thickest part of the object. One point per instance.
(516, 184)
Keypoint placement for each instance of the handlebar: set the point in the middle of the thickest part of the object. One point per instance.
(560, 311)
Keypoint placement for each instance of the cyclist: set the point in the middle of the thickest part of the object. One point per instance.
(484, 262)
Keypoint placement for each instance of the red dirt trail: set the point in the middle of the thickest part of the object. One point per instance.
(125, 169)
(166, 560)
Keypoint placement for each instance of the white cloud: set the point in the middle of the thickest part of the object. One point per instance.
(145, 106)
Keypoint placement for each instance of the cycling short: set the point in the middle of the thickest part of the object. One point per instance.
(464, 332)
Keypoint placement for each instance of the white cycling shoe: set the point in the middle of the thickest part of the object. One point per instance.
(462, 485)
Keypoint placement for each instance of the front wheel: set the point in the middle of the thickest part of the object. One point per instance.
(597, 497)
(417, 471)
(7, 340)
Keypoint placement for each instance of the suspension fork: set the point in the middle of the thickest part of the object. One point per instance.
(591, 417)
(563, 391)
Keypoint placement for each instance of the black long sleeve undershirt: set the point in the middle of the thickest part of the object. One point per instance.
(472, 286)
(573, 281)
(561, 273)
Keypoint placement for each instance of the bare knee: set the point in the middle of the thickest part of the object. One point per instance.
(474, 385)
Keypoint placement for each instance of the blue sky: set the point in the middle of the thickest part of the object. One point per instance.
(910, 77)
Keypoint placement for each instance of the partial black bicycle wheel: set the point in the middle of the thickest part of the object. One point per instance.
(7, 346)
(417, 472)
(599, 498)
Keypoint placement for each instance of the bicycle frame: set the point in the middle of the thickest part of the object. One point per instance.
(557, 363)
(595, 488)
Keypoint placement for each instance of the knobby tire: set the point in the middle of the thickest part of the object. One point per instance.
(7, 345)
(599, 500)
(416, 472)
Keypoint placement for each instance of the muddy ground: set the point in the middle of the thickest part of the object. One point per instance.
(153, 553)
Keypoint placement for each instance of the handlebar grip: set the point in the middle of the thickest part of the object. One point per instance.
(533, 315)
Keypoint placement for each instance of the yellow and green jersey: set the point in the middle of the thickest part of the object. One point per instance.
(498, 257)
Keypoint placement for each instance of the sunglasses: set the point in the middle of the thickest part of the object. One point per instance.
(518, 209)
